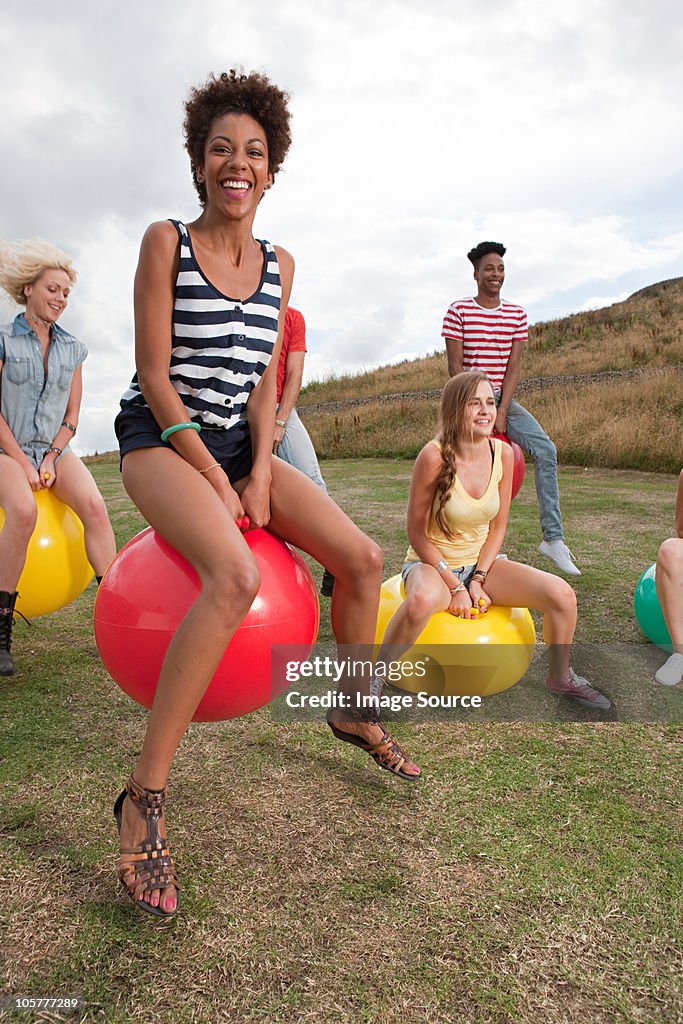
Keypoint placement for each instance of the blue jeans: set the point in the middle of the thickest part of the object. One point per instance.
(525, 431)
(297, 449)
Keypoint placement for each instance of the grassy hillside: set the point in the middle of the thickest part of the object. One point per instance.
(634, 424)
(644, 330)
(623, 425)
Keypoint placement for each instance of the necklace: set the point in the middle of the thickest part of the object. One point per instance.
(39, 319)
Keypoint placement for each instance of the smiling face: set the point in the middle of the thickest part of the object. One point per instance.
(490, 276)
(235, 170)
(48, 296)
(481, 411)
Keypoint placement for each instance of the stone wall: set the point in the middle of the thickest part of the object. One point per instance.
(573, 380)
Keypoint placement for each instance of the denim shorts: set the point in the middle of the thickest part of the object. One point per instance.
(136, 427)
(463, 572)
(37, 451)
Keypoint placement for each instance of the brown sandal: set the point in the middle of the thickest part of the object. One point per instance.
(387, 753)
(149, 865)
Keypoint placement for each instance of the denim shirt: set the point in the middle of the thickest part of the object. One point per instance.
(33, 407)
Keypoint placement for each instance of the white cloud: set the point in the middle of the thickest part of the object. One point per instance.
(601, 301)
(417, 132)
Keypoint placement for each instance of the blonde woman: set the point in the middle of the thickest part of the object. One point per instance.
(40, 400)
(457, 518)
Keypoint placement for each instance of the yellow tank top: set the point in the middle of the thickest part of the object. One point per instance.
(469, 518)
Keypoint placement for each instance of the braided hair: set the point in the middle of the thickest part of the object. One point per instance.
(455, 399)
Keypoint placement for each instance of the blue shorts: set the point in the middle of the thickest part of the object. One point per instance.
(135, 427)
(37, 450)
(463, 572)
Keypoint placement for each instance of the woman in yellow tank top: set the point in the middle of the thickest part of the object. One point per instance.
(457, 517)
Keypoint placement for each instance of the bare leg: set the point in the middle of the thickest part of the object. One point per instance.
(18, 503)
(508, 583)
(169, 492)
(669, 580)
(426, 593)
(513, 584)
(302, 514)
(75, 486)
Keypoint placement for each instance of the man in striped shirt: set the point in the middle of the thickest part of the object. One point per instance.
(487, 333)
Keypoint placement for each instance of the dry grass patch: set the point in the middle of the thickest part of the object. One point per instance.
(389, 430)
(635, 425)
(629, 425)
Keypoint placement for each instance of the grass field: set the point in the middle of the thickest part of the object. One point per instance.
(532, 876)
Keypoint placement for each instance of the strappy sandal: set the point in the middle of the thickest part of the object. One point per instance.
(387, 753)
(147, 866)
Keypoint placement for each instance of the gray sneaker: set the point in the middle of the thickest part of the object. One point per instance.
(558, 552)
(580, 690)
(671, 672)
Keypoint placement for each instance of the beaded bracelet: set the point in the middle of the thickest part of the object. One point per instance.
(69, 426)
(207, 468)
(58, 450)
(165, 434)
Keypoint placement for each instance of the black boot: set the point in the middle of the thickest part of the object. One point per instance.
(327, 585)
(7, 602)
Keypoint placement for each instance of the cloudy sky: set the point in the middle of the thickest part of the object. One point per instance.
(419, 130)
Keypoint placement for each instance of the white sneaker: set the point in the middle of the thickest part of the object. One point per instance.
(558, 552)
(671, 671)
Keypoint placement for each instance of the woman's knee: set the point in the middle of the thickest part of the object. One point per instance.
(93, 512)
(420, 604)
(670, 556)
(232, 584)
(21, 517)
(364, 560)
(562, 597)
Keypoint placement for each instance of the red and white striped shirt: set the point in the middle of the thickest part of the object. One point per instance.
(487, 335)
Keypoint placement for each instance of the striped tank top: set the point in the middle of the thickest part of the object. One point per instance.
(220, 346)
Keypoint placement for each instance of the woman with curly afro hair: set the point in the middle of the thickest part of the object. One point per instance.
(196, 434)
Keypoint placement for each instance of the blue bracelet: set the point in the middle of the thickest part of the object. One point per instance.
(165, 434)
